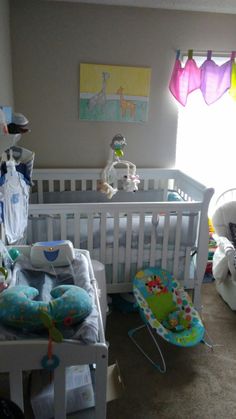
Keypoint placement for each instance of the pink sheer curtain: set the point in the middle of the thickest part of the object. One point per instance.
(205, 143)
(212, 79)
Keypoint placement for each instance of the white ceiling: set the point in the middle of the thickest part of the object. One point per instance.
(217, 6)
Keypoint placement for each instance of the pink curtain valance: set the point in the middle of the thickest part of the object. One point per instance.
(212, 79)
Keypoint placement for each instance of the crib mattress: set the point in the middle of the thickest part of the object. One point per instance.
(76, 197)
(78, 274)
(39, 228)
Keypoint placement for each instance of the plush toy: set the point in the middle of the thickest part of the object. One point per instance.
(130, 183)
(70, 304)
(176, 321)
(108, 189)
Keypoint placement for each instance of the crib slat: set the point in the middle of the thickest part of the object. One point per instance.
(49, 228)
(153, 239)
(2, 232)
(16, 387)
(83, 185)
(90, 233)
(165, 241)
(156, 184)
(128, 247)
(103, 237)
(177, 244)
(40, 191)
(63, 227)
(38, 228)
(59, 393)
(116, 247)
(94, 184)
(77, 230)
(164, 185)
(29, 234)
(140, 241)
(62, 185)
(145, 184)
(72, 185)
(187, 266)
(51, 185)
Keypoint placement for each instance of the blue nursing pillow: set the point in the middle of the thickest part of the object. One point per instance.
(70, 304)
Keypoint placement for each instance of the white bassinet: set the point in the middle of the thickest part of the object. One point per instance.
(20, 352)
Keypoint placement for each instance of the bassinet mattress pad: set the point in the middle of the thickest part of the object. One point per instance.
(44, 281)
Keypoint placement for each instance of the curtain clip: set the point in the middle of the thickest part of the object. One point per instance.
(190, 54)
(209, 54)
(233, 55)
(177, 54)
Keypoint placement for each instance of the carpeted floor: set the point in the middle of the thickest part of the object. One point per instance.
(199, 383)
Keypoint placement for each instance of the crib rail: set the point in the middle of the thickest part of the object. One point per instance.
(74, 222)
(59, 180)
(98, 228)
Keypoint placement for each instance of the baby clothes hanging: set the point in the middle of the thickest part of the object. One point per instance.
(14, 195)
(24, 161)
(184, 80)
(215, 79)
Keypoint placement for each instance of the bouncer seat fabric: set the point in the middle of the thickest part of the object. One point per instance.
(167, 308)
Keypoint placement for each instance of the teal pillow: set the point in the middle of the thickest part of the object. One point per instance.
(70, 304)
(174, 196)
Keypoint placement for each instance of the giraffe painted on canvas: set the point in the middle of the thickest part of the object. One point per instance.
(126, 105)
(100, 97)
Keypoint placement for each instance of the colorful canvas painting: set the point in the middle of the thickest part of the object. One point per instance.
(114, 93)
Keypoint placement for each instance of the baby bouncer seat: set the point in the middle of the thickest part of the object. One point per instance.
(224, 259)
(166, 310)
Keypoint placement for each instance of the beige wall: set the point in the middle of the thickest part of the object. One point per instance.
(6, 93)
(51, 39)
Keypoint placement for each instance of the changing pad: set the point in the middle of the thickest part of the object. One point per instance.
(78, 273)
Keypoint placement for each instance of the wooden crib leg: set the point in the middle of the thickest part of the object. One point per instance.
(16, 388)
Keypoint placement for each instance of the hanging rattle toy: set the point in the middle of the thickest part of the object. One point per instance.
(130, 180)
(50, 361)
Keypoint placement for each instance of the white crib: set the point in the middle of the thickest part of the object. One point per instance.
(126, 235)
(26, 355)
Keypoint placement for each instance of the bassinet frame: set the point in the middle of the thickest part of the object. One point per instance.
(25, 355)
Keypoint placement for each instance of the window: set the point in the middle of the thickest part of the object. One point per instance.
(206, 139)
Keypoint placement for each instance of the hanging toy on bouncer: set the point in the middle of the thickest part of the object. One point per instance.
(130, 180)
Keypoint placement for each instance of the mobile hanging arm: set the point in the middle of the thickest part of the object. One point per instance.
(130, 180)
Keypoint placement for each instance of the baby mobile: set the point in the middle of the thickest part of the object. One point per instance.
(130, 180)
(212, 79)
